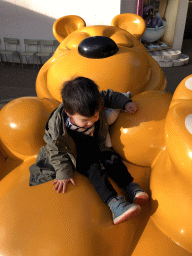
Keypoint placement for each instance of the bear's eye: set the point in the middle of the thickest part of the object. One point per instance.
(121, 39)
(76, 40)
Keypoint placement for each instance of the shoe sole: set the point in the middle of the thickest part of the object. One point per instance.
(141, 199)
(134, 211)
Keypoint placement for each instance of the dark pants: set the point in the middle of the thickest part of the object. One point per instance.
(112, 167)
(97, 166)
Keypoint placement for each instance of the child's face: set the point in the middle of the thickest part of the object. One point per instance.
(83, 121)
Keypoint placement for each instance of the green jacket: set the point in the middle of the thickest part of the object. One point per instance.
(57, 160)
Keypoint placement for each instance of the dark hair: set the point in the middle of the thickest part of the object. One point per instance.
(81, 95)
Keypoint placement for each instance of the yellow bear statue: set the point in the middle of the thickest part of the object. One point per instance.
(155, 143)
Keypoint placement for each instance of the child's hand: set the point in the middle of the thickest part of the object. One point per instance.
(62, 184)
(131, 107)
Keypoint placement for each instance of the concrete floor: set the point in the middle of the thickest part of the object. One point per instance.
(175, 75)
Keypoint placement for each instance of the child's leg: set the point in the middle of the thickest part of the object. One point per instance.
(115, 168)
(136, 194)
(120, 208)
(119, 173)
(103, 187)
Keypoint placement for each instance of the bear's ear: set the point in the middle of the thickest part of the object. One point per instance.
(66, 25)
(130, 22)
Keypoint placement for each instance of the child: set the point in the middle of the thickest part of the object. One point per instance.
(75, 137)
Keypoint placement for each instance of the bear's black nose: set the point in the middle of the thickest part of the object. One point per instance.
(97, 47)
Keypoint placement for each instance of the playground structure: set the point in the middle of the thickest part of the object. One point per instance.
(155, 144)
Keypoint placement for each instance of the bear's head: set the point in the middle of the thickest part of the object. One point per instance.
(112, 56)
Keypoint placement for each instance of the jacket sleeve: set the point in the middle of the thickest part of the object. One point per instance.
(59, 152)
(113, 99)
(61, 162)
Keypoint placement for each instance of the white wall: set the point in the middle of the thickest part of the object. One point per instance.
(176, 14)
(35, 18)
(180, 24)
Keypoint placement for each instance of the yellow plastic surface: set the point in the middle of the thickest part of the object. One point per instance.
(130, 69)
(142, 132)
(130, 22)
(66, 25)
(155, 142)
(22, 124)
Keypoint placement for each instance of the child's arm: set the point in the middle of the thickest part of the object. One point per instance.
(61, 185)
(59, 151)
(115, 100)
(130, 107)
(64, 169)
